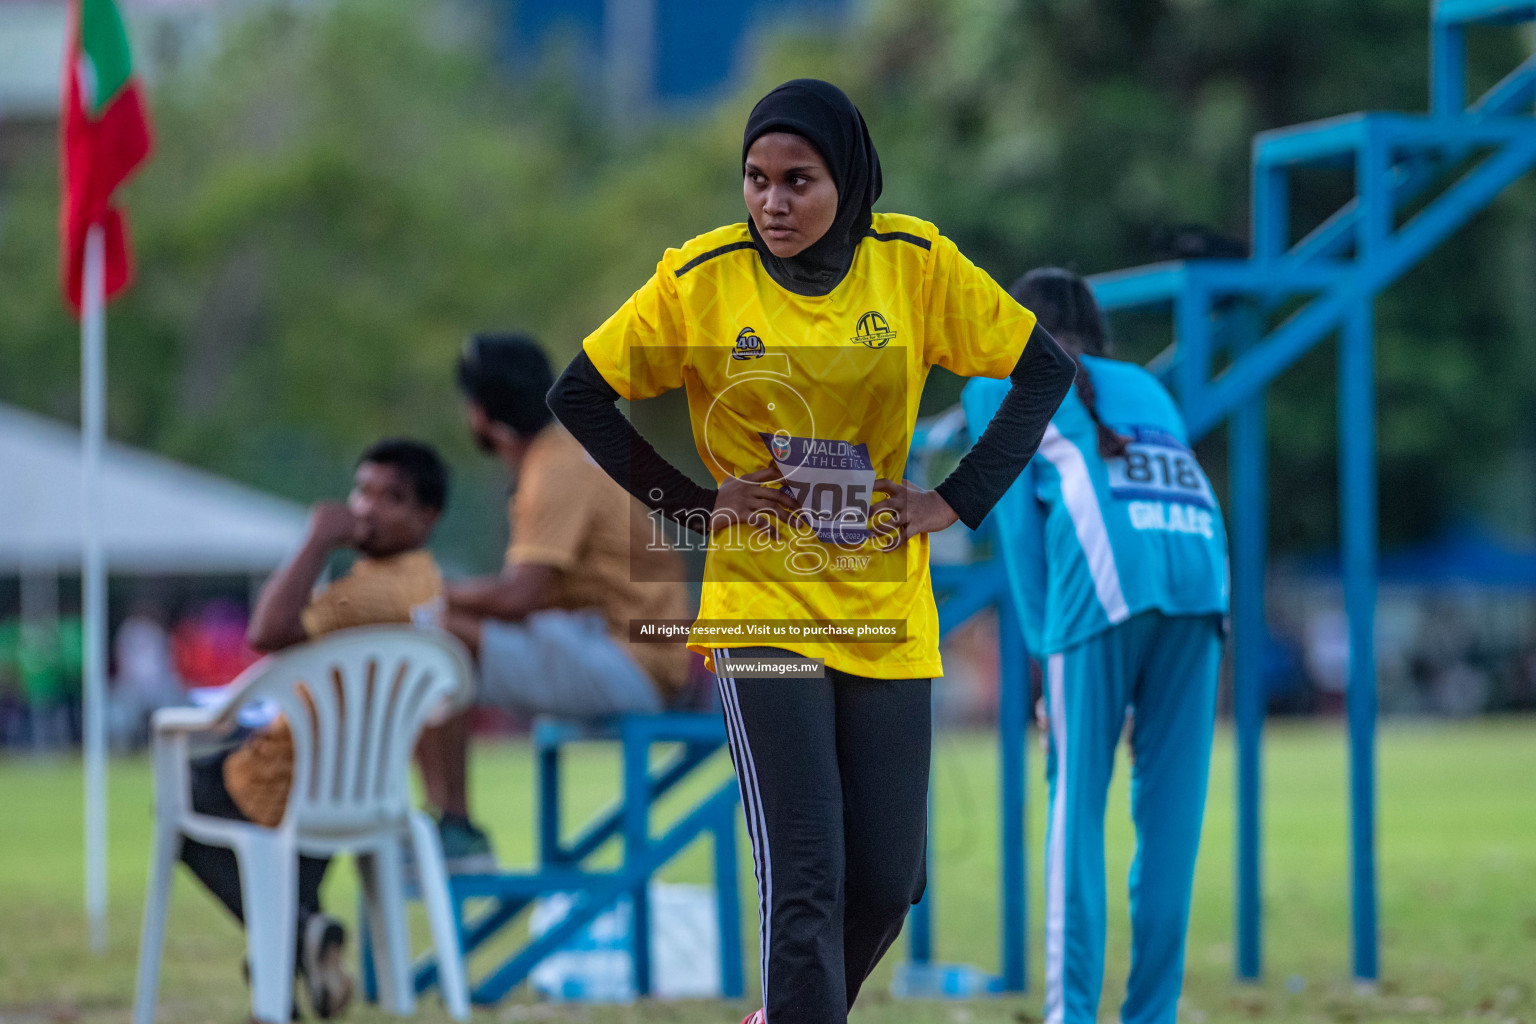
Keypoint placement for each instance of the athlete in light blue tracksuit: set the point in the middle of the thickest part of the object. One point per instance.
(1115, 546)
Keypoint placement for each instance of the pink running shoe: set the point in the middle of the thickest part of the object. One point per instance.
(756, 1017)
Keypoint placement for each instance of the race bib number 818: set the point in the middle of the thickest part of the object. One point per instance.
(1158, 467)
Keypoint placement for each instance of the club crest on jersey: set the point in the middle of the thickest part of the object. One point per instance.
(874, 331)
(780, 446)
(748, 345)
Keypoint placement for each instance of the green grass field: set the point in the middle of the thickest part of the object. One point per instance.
(1458, 888)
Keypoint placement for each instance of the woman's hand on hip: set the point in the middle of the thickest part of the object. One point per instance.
(909, 511)
(750, 499)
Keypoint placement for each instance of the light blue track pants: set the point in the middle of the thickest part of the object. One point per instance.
(1164, 668)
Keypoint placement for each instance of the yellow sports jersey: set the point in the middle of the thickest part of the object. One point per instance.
(826, 388)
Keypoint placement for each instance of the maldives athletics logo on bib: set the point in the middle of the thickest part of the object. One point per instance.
(832, 482)
(874, 331)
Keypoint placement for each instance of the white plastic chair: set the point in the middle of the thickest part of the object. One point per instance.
(355, 701)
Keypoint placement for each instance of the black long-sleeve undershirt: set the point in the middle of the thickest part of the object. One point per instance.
(586, 404)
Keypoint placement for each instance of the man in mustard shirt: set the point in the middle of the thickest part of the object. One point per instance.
(398, 494)
(551, 630)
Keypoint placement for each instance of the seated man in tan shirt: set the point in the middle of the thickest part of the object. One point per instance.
(398, 493)
(550, 631)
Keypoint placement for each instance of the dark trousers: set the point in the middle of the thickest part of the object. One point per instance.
(215, 866)
(834, 786)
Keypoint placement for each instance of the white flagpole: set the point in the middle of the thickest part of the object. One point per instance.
(93, 578)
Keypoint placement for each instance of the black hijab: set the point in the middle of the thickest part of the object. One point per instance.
(821, 114)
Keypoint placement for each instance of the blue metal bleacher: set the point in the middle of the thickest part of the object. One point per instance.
(487, 905)
(1470, 152)
(1238, 325)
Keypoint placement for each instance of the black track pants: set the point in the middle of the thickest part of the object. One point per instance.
(834, 785)
(215, 866)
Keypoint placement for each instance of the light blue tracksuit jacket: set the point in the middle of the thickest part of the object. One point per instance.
(1119, 570)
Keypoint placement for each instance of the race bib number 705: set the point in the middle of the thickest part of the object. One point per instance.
(833, 482)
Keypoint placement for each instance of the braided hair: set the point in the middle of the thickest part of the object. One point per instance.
(1064, 305)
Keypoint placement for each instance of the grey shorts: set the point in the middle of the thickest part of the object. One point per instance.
(561, 663)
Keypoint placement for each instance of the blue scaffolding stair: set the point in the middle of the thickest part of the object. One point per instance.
(1472, 152)
(1227, 351)
(569, 864)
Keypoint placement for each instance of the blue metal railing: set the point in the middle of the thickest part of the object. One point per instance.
(1221, 307)
(1339, 268)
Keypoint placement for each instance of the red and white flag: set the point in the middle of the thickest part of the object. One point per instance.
(104, 134)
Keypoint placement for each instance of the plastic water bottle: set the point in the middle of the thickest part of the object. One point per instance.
(943, 981)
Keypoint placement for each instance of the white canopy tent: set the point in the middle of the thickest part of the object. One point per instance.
(152, 517)
(158, 517)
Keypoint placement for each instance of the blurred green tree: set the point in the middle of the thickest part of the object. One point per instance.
(1076, 132)
(336, 201)
(342, 193)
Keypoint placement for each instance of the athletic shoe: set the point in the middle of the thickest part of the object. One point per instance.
(759, 1016)
(466, 849)
(326, 981)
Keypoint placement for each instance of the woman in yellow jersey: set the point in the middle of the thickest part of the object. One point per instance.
(803, 338)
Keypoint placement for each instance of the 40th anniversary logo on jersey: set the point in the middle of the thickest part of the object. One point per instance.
(748, 345)
(874, 331)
